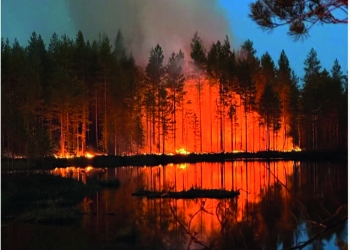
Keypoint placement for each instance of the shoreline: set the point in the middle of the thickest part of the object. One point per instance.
(159, 159)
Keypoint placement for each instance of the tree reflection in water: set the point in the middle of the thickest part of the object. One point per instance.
(282, 205)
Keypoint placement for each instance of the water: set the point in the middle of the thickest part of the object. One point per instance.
(281, 204)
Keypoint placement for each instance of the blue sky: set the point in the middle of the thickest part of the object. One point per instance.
(19, 18)
(330, 41)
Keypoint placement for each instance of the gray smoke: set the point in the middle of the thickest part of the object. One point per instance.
(146, 23)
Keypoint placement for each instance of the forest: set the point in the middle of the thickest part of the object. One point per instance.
(74, 96)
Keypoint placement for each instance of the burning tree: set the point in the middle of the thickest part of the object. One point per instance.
(76, 94)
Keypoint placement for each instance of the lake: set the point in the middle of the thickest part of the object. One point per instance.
(281, 204)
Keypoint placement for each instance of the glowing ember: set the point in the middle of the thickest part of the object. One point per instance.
(88, 155)
(88, 169)
(237, 151)
(67, 156)
(182, 151)
(295, 149)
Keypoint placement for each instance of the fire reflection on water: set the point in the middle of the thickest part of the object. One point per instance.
(204, 216)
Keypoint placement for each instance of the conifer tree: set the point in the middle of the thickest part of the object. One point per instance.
(175, 87)
(270, 110)
(155, 73)
(198, 55)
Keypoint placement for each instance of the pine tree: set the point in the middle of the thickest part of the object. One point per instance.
(284, 88)
(270, 110)
(175, 86)
(219, 68)
(155, 73)
(81, 67)
(294, 110)
(248, 66)
(310, 101)
(198, 55)
(106, 63)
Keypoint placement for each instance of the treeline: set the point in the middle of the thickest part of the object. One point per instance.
(74, 94)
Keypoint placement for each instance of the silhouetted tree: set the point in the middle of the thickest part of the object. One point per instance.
(310, 101)
(175, 86)
(155, 73)
(247, 65)
(300, 16)
(270, 110)
(198, 55)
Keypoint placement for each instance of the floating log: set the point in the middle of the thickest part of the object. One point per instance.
(189, 194)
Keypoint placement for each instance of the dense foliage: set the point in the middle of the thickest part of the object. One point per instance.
(75, 94)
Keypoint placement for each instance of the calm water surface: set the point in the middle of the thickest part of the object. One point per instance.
(281, 204)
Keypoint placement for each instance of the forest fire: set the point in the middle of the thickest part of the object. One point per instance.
(175, 106)
(88, 155)
(294, 149)
(200, 129)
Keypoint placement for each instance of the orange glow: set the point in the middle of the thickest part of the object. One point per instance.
(89, 155)
(253, 179)
(76, 172)
(199, 128)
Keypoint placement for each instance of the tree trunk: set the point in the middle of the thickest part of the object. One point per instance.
(96, 120)
(105, 128)
(211, 121)
(83, 131)
(183, 121)
(231, 126)
(200, 114)
(246, 131)
(62, 138)
(221, 106)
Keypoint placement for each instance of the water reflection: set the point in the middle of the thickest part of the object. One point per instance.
(281, 205)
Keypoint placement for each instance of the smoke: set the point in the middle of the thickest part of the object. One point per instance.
(146, 23)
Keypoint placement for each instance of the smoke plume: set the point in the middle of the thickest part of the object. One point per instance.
(146, 23)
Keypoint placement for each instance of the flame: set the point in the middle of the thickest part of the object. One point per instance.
(89, 155)
(295, 149)
(182, 151)
(183, 165)
(68, 155)
(200, 129)
(237, 151)
(88, 169)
